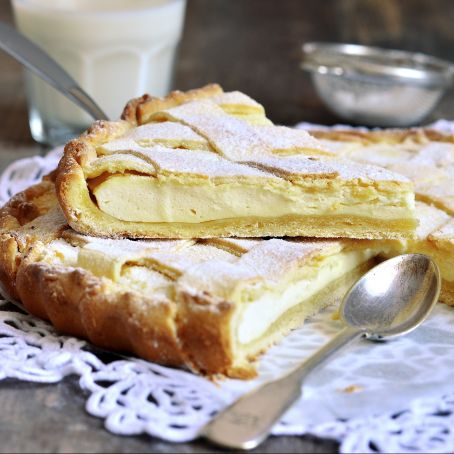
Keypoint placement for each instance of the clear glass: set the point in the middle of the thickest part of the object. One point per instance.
(115, 49)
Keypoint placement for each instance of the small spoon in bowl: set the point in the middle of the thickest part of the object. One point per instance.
(392, 299)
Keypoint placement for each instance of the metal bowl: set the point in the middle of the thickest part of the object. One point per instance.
(374, 86)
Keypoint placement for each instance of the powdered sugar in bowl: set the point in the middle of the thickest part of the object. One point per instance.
(374, 86)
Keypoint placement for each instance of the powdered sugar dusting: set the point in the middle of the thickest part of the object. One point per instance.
(217, 278)
(122, 251)
(123, 161)
(438, 190)
(445, 233)
(238, 245)
(142, 279)
(435, 154)
(195, 162)
(301, 166)
(151, 134)
(237, 99)
(268, 261)
(274, 258)
(349, 171)
(282, 139)
(165, 130)
(123, 243)
(430, 219)
(45, 226)
(428, 164)
(231, 137)
(238, 141)
(209, 265)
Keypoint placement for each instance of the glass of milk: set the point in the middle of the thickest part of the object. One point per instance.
(115, 49)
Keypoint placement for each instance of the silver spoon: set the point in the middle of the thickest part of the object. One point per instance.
(38, 61)
(390, 300)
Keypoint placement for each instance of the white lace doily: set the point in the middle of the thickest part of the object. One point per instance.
(387, 397)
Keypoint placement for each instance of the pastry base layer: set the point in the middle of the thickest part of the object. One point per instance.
(307, 226)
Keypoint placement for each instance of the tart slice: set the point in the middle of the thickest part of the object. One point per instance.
(206, 163)
(212, 305)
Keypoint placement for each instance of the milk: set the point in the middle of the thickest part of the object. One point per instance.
(115, 49)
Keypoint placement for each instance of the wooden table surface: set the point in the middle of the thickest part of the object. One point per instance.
(252, 46)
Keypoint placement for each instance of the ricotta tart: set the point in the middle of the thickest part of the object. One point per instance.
(206, 163)
(211, 305)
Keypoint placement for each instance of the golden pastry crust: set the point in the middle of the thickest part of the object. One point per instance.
(28, 205)
(81, 304)
(74, 300)
(17, 241)
(216, 173)
(139, 110)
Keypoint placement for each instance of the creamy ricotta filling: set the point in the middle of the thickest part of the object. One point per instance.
(260, 314)
(60, 252)
(138, 198)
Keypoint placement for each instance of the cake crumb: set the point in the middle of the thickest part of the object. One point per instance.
(351, 389)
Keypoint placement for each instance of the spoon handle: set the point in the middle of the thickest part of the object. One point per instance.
(248, 421)
(38, 61)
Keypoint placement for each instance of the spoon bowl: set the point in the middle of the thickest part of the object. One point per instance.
(393, 298)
